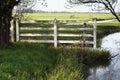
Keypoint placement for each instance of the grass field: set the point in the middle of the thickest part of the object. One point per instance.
(66, 16)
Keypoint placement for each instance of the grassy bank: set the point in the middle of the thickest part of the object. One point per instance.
(24, 61)
(104, 29)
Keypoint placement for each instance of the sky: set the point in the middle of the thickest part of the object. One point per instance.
(60, 5)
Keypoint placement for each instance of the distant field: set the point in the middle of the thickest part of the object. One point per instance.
(66, 16)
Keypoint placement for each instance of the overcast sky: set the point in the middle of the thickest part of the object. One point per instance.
(60, 5)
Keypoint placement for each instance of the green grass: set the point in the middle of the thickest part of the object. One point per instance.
(66, 16)
(111, 23)
(25, 61)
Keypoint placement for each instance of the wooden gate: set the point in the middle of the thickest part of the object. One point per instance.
(57, 31)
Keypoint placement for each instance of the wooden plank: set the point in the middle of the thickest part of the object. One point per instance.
(40, 28)
(38, 41)
(95, 35)
(35, 28)
(60, 35)
(55, 32)
(59, 41)
(72, 29)
(36, 35)
(17, 30)
(75, 35)
(74, 41)
(37, 21)
(12, 32)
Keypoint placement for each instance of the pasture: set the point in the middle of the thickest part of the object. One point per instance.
(66, 16)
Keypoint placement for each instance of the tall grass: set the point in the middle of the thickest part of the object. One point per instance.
(25, 61)
(83, 59)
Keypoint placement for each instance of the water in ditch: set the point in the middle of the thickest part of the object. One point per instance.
(112, 72)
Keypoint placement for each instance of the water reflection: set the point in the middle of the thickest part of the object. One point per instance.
(112, 72)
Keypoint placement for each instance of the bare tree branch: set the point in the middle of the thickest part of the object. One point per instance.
(107, 5)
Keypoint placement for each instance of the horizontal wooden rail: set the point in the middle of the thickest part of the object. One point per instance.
(38, 41)
(35, 28)
(39, 28)
(64, 35)
(59, 41)
(33, 35)
(72, 29)
(74, 41)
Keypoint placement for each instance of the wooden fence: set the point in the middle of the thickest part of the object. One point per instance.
(16, 35)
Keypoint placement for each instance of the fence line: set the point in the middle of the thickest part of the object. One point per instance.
(56, 34)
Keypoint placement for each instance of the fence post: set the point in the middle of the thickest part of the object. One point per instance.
(12, 30)
(84, 32)
(55, 32)
(94, 34)
(95, 43)
(17, 30)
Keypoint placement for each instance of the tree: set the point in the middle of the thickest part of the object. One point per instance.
(26, 5)
(104, 4)
(6, 7)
